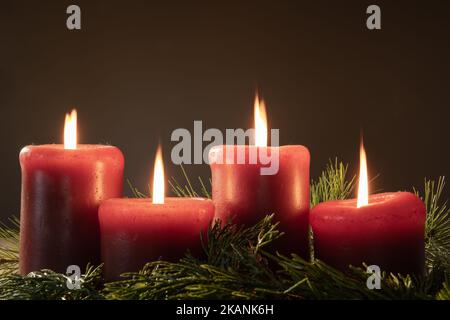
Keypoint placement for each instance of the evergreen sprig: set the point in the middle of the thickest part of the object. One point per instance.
(187, 189)
(9, 247)
(444, 293)
(332, 184)
(49, 285)
(437, 231)
(317, 280)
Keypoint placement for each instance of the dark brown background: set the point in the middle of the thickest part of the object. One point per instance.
(137, 70)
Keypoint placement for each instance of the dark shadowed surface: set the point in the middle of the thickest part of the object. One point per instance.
(138, 70)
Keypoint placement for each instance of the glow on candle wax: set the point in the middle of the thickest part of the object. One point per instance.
(260, 123)
(363, 185)
(158, 179)
(70, 130)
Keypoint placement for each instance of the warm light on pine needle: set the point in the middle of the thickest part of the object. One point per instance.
(363, 185)
(260, 123)
(70, 130)
(158, 179)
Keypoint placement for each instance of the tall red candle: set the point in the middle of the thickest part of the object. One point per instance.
(137, 231)
(385, 229)
(61, 191)
(241, 193)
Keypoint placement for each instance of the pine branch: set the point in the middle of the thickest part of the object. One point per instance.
(9, 247)
(438, 215)
(229, 245)
(444, 294)
(437, 227)
(316, 280)
(49, 285)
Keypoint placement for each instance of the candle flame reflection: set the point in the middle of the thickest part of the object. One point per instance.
(363, 185)
(260, 122)
(70, 130)
(158, 179)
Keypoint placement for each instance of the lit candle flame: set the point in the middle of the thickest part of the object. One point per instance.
(158, 179)
(363, 185)
(70, 130)
(260, 123)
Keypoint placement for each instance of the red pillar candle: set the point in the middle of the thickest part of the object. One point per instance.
(62, 186)
(385, 229)
(241, 193)
(388, 232)
(137, 231)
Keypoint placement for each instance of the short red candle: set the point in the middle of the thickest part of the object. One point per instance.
(388, 232)
(136, 231)
(61, 192)
(242, 194)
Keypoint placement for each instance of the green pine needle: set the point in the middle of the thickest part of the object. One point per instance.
(9, 247)
(332, 184)
(49, 285)
(437, 227)
(316, 280)
(444, 294)
(135, 191)
(187, 190)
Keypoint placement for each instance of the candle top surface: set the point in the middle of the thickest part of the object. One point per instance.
(374, 200)
(58, 151)
(143, 207)
(146, 202)
(81, 147)
(393, 204)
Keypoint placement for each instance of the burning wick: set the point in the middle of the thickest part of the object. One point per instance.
(260, 123)
(363, 185)
(158, 179)
(70, 130)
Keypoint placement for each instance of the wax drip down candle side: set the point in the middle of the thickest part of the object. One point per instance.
(62, 187)
(137, 231)
(384, 229)
(243, 195)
